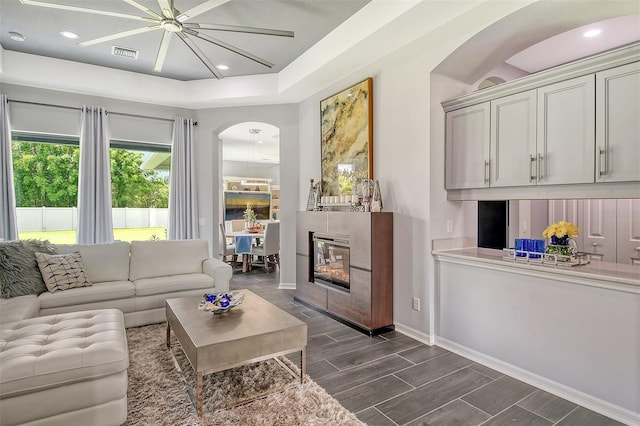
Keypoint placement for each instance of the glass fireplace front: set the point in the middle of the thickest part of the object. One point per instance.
(330, 261)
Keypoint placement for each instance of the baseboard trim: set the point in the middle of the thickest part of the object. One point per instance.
(415, 334)
(578, 397)
(287, 286)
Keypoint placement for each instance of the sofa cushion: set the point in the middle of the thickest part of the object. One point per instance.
(151, 259)
(19, 273)
(150, 286)
(19, 308)
(45, 352)
(103, 262)
(98, 292)
(62, 271)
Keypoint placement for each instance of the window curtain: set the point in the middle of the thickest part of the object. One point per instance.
(95, 223)
(8, 220)
(183, 207)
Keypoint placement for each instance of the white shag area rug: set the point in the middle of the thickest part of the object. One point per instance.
(157, 394)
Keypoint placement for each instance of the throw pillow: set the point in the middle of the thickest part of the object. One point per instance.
(19, 273)
(62, 271)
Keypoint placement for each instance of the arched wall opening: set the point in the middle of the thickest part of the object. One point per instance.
(211, 123)
(250, 157)
(485, 54)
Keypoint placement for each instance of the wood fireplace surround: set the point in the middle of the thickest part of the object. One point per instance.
(367, 304)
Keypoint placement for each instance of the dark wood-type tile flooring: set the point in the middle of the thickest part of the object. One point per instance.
(393, 379)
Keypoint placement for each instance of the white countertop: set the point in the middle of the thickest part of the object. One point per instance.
(613, 276)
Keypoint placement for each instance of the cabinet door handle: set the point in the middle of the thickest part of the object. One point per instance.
(595, 244)
(602, 166)
(540, 158)
(486, 172)
(637, 248)
(532, 162)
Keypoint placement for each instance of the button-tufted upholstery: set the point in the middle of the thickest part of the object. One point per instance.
(19, 308)
(61, 352)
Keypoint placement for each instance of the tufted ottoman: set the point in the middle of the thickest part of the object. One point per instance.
(67, 369)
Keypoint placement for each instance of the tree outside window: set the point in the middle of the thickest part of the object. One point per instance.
(46, 175)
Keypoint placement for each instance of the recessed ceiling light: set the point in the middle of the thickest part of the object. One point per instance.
(592, 33)
(260, 142)
(16, 36)
(222, 67)
(69, 34)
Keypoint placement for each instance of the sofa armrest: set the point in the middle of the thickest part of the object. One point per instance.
(219, 271)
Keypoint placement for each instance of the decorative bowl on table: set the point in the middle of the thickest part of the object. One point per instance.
(219, 303)
(253, 229)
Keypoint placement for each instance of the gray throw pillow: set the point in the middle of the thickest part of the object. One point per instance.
(19, 272)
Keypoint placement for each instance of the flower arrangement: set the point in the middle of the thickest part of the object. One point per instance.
(220, 302)
(249, 215)
(561, 230)
(560, 234)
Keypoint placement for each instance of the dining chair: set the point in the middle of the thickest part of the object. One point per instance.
(269, 251)
(227, 247)
(237, 225)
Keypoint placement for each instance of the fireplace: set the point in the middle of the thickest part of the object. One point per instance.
(329, 264)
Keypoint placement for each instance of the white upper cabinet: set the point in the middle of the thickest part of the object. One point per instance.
(574, 127)
(566, 132)
(513, 160)
(467, 147)
(618, 124)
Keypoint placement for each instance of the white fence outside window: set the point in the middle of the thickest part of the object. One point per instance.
(37, 219)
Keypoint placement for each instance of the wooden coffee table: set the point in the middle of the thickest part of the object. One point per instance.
(254, 331)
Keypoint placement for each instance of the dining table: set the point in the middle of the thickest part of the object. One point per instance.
(256, 237)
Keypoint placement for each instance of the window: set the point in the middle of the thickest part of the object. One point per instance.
(46, 185)
(140, 190)
(45, 170)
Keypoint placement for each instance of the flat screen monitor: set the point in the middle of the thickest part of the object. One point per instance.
(493, 224)
(235, 203)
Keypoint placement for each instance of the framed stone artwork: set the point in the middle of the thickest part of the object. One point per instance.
(346, 121)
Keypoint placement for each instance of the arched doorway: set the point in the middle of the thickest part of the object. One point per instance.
(250, 172)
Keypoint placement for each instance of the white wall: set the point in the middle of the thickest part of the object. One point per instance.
(408, 154)
(47, 117)
(211, 122)
(569, 337)
(254, 170)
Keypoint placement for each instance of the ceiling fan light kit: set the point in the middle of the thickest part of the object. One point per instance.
(172, 21)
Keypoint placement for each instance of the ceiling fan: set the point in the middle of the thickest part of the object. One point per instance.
(172, 21)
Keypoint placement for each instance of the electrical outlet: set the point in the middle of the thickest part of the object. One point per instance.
(202, 221)
(449, 226)
(415, 304)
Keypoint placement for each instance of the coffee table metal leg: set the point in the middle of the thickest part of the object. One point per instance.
(168, 335)
(303, 363)
(199, 394)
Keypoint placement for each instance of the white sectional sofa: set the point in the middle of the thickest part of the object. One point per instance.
(135, 278)
(67, 369)
(63, 355)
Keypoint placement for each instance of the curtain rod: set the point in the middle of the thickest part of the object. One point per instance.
(43, 104)
(195, 123)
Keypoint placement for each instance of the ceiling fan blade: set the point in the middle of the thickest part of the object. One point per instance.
(167, 8)
(120, 35)
(85, 10)
(240, 29)
(196, 50)
(144, 9)
(227, 46)
(199, 9)
(162, 51)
